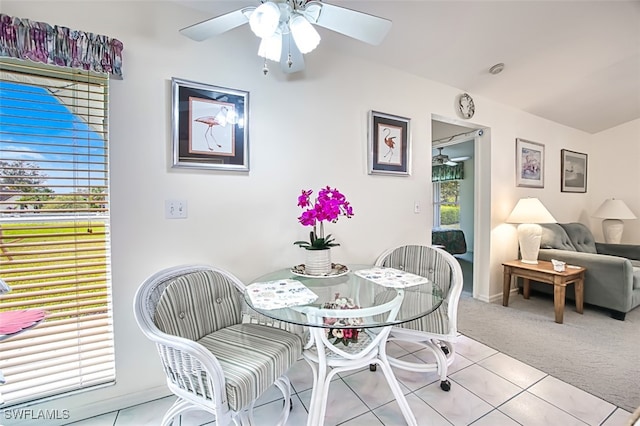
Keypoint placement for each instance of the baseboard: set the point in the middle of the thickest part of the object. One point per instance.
(496, 297)
(120, 402)
(28, 416)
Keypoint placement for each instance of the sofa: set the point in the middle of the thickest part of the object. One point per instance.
(612, 279)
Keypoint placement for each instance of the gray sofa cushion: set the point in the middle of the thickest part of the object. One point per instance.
(580, 236)
(555, 237)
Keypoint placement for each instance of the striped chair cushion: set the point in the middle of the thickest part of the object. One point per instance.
(428, 263)
(422, 261)
(436, 322)
(252, 357)
(197, 304)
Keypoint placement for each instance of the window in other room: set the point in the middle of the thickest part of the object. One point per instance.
(446, 204)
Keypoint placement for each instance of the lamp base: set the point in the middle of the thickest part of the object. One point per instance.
(612, 230)
(529, 236)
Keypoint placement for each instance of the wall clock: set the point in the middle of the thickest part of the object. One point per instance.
(466, 106)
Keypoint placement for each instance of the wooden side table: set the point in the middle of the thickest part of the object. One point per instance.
(544, 272)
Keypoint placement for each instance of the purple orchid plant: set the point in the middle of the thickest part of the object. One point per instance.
(328, 206)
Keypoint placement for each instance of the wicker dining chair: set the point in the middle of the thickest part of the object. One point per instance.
(437, 331)
(214, 357)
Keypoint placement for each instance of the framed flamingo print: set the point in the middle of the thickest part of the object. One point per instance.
(389, 144)
(210, 126)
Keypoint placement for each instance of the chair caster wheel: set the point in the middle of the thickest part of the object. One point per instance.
(445, 385)
(372, 367)
(445, 349)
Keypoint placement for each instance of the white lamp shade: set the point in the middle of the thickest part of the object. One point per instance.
(528, 213)
(305, 36)
(271, 47)
(265, 19)
(614, 209)
(530, 210)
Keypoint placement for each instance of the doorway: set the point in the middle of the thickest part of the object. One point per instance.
(456, 143)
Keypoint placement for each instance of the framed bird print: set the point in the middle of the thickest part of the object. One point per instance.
(210, 126)
(389, 144)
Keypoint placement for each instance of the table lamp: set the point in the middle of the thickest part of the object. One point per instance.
(613, 211)
(528, 213)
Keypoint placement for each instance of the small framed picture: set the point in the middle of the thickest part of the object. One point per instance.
(389, 144)
(574, 171)
(210, 126)
(529, 164)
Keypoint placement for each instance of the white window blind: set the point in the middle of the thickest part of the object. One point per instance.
(54, 229)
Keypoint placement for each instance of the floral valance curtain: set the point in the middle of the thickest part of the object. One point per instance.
(41, 42)
(444, 172)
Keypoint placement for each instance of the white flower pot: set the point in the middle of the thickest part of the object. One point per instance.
(318, 262)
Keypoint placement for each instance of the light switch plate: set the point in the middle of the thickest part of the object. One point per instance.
(175, 209)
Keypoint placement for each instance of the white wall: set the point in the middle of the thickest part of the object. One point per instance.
(615, 160)
(305, 132)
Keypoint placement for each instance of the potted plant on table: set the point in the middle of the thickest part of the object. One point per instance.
(328, 206)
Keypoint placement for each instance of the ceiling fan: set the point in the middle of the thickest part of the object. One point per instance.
(444, 160)
(286, 31)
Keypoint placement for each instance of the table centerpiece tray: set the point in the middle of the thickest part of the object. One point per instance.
(337, 270)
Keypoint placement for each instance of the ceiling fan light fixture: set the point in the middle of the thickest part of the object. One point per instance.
(294, 24)
(312, 11)
(271, 47)
(265, 19)
(305, 36)
(442, 159)
(221, 116)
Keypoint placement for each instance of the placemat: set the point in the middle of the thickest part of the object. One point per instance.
(279, 294)
(391, 277)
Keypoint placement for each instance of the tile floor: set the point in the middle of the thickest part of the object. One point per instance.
(488, 388)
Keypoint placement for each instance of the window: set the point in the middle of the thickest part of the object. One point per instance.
(446, 204)
(54, 228)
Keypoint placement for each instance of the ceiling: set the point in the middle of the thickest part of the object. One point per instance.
(574, 62)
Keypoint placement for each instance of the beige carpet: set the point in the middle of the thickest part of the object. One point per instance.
(592, 352)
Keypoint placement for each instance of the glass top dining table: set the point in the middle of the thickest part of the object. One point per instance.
(416, 300)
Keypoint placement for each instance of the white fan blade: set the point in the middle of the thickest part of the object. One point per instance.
(458, 159)
(297, 58)
(218, 25)
(361, 26)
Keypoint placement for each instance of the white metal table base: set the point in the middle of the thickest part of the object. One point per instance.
(320, 361)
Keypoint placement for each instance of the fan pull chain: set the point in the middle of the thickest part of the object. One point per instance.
(265, 68)
(289, 60)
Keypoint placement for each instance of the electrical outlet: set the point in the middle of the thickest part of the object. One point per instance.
(175, 209)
